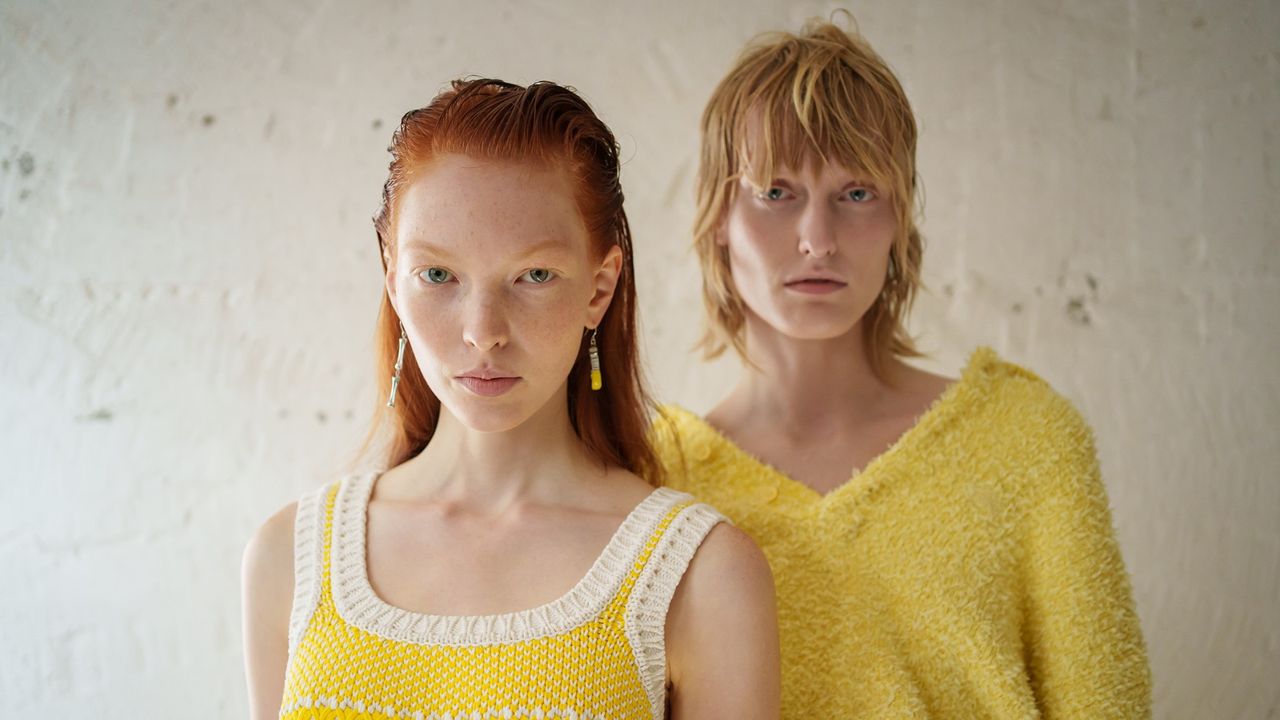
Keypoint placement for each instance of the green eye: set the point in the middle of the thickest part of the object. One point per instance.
(773, 193)
(538, 276)
(436, 275)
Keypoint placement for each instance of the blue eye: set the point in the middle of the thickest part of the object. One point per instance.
(861, 195)
(538, 276)
(774, 193)
(437, 275)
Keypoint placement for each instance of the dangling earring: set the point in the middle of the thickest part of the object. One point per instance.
(395, 379)
(597, 380)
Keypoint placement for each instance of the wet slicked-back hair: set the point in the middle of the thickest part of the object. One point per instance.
(543, 123)
(788, 99)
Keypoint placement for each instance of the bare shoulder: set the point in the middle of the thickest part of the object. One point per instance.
(722, 631)
(269, 552)
(267, 599)
(727, 586)
(266, 573)
(728, 557)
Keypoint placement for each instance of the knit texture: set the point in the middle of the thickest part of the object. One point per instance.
(969, 571)
(596, 652)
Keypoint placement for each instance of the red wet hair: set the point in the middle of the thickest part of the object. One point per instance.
(543, 123)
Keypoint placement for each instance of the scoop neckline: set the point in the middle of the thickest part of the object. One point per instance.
(359, 605)
(937, 412)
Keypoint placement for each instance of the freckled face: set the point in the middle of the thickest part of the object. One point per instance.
(808, 254)
(494, 282)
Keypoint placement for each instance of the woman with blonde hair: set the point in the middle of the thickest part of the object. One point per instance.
(511, 558)
(942, 548)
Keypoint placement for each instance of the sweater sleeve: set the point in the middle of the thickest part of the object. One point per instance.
(1085, 652)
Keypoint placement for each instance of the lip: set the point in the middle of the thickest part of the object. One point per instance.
(816, 283)
(487, 382)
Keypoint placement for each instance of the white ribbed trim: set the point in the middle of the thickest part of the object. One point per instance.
(646, 614)
(308, 553)
(358, 605)
(492, 713)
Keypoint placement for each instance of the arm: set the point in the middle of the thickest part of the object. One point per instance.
(1087, 657)
(722, 632)
(267, 597)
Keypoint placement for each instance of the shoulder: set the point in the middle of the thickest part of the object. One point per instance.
(723, 616)
(267, 565)
(1010, 398)
(694, 455)
(728, 583)
(728, 563)
(671, 424)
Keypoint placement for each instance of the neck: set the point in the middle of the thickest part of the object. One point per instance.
(802, 384)
(539, 461)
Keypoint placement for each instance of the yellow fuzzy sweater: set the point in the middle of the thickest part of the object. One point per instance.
(970, 571)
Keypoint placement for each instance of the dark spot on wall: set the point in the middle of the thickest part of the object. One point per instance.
(1198, 23)
(1093, 283)
(282, 413)
(322, 416)
(377, 123)
(171, 102)
(349, 414)
(948, 290)
(24, 193)
(1105, 112)
(26, 164)
(270, 127)
(5, 164)
(208, 120)
(1039, 291)
(1077, 311)
(99, 415)
(1016, 308)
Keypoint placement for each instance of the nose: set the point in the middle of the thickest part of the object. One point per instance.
(817, 230)
(485, 325)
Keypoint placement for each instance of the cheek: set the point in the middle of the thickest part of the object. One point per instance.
(753, 243)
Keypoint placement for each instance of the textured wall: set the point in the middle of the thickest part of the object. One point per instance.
(188, 281)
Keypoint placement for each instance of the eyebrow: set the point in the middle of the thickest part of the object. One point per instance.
(545, 245)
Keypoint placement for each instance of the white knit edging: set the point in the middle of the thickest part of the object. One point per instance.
(489, 714)
(308, 554)
(646, 613)
(358, 605)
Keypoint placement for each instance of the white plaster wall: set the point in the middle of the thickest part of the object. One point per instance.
(188, 281)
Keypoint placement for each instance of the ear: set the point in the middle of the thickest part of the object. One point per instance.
(390, 281)
(606, 281)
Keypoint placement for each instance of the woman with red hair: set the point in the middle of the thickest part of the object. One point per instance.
(514, 559)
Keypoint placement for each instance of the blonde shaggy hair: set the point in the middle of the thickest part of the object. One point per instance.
(823, 93)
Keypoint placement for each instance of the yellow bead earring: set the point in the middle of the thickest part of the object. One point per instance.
(597, 380)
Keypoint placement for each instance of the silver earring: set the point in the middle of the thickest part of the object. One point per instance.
(597, 380)
(395, 379)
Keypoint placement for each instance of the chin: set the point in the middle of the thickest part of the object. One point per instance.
(812, 323)
(497, 417)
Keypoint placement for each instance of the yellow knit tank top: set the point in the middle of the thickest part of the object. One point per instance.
(595, 652)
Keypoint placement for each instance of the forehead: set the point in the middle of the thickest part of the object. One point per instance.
(489, 208)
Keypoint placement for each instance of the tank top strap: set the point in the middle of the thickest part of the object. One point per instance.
(645, 617)
(310, 549)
